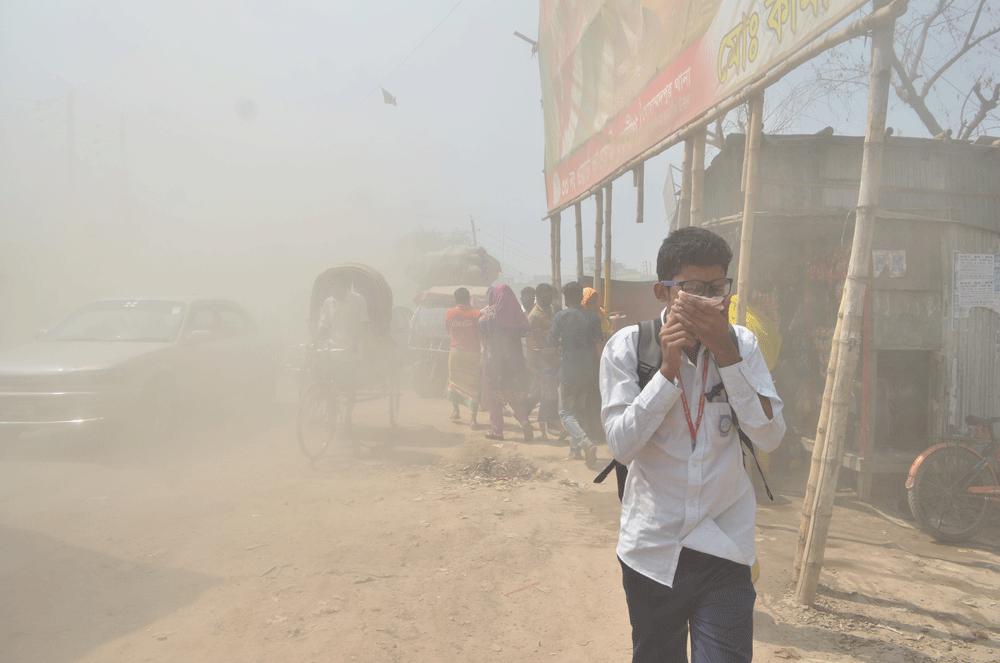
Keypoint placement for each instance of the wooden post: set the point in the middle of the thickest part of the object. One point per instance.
(598, 237)
(851, 317)
(557, 256)
(697, 216)
(552, 245)
(578, 210)
(607, 249)
(750, 168)
(639, 182)
(684, 204)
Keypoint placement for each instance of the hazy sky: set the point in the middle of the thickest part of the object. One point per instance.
(190, 132)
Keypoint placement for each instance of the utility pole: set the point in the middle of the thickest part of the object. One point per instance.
(472, 222)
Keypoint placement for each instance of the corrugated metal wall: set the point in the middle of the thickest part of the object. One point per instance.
(930, 178)
(954, 189)
(971, 352)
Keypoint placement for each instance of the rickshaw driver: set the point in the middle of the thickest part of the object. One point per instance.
(343, 320)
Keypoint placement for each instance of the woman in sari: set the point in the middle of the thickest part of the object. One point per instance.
(502, 325)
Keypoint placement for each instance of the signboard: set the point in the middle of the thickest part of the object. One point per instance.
(619, 76)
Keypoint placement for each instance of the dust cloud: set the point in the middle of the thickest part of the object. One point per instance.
(173, 495)
(231, 151)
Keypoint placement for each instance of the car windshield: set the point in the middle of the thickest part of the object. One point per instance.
(137, 321)
(429, 322)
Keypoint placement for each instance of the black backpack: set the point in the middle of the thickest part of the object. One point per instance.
(649, 358)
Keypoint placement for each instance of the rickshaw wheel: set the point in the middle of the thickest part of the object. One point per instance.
(319, 420)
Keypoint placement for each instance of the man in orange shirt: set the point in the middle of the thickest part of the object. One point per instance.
(464, 358)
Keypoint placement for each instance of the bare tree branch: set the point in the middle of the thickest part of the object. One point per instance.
(975, 22)
(986, 106)
(928, 22)
(956, 57)
(908, 95)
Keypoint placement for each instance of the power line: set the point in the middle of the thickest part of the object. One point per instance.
(423, 40)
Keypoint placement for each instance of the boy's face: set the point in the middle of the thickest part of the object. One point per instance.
(690, 273)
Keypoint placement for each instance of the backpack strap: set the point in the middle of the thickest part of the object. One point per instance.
(744, 439)
(648, 353)
(648, 359)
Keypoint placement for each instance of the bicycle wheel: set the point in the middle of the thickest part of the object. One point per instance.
(318, 420)
(939, 497)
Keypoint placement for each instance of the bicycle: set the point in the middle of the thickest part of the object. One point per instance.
(951, 485)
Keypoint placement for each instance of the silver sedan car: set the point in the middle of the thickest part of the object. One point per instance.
(135, 365)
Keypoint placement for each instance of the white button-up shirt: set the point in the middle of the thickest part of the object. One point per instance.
(679, 494)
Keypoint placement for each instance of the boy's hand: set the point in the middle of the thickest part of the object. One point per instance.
(709, 325)
(674, 339)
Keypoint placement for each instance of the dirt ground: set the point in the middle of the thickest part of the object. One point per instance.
(229, 546)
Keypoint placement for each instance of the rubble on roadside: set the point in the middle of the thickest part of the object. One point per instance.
(493, 470)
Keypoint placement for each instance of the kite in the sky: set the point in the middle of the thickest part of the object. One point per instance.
(388, 98)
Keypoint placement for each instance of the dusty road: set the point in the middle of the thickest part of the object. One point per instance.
(230, 547)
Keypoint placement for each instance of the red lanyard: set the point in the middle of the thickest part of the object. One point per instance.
(693, 426)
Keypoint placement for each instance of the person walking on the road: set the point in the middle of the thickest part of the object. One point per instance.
(464, 357)
(577, 334)
(527, 299)
(592, 302)
(505, 375)
(543, 360)
(686, 542)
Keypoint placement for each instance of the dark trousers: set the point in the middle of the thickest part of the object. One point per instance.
(712, 595)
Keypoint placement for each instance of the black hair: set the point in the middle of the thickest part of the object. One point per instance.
(462, 296)
(527, 290)
(691, 246)
(573, 294)
(542, 287)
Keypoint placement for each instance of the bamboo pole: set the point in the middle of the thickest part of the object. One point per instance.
(607, 250)
(750, 169)
(818, 445)
(557, 256)
(866, 429)
(684, 209)
(697, 215)
(851, 317)
(639, 181)
(598, 237)
(861, 26)
(578, 210)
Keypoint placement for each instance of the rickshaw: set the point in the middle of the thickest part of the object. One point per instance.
(335, 379)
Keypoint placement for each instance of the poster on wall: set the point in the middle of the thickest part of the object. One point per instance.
(891, 263)
(977, 282)
(619, 76)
